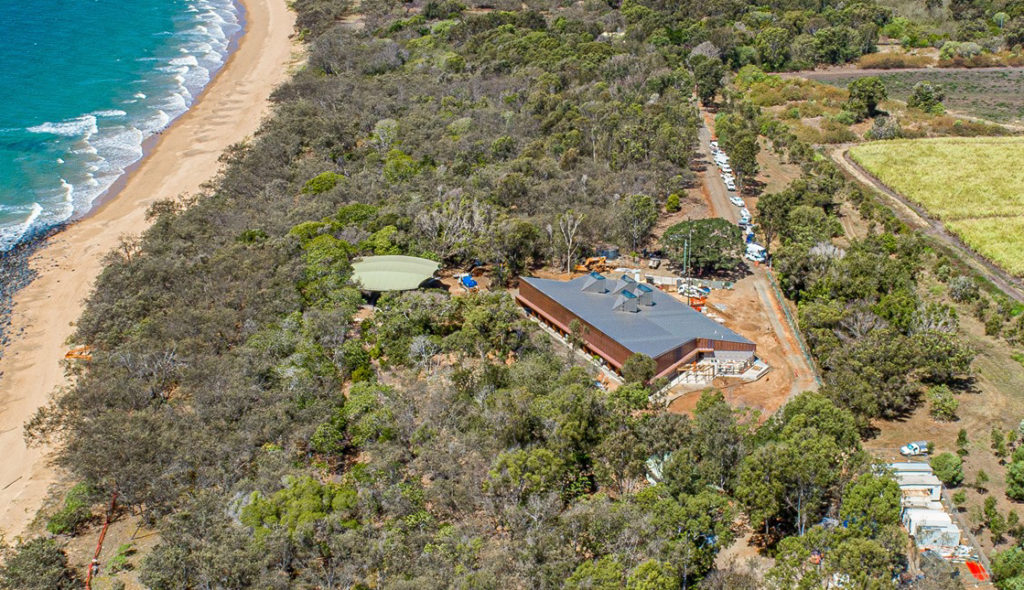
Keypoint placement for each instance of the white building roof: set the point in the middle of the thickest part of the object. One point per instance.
(916, 479)
(910, 466)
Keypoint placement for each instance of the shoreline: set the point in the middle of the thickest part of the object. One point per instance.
(63, 267)
(15, 271)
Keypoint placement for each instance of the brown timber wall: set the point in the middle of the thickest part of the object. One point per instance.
(596, 341)
(607, 348)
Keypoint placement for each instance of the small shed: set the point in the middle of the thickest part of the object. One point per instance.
(392, 273)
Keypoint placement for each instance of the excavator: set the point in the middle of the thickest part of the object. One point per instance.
(593, 264)
(81, 353)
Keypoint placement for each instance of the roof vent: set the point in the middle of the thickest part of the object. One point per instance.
(626, 301)
(645, 295)
(595, 283)
(625, 283)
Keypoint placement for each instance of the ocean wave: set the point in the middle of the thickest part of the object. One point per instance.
(78, 126)
(11, 235)
(109, 113)
(102, 144)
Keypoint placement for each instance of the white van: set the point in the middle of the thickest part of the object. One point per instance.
(755, 252)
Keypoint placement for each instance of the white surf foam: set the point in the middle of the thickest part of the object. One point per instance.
(100, 147)
(78, 126)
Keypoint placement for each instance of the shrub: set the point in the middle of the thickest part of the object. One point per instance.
(885, 128)
(38, 564)
(844, 117)
(963, 289)
(927, 97)
(889, 60)
(672, 203)
(321, 183)
(943, 404)
(75, 511)
(960, 498)
(948, 468)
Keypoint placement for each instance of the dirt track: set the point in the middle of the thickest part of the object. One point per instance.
(917, 218)
(753, 309)
(848, 71)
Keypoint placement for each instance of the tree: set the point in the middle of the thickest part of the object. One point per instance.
(638, 368)
(943, 404)
(980, 479)
(638, 214)
(714, 245)
(998, 443)
(38, 564)
(567, 237)
(1015, 480)
(948, 468)
(962, 443)
(871, 502)
(605, 573)
(865, 94)
(707, 73)
(772, 215)
(521, 473)
(772, 45)
(653, 575)
(744, 156)
(927, 97)
(1008, 568)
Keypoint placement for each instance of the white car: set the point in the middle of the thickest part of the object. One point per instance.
(736, 201)
(729, 184)
(714, 145)
(914, 449)
(726, 168)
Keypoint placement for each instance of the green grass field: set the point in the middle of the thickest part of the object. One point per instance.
(974, 185)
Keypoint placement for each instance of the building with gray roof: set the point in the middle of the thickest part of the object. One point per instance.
(620, 317)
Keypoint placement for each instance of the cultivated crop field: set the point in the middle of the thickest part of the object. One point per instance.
(996, 95)
(974, 185)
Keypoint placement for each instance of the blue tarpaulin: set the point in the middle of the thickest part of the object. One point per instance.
(468, 282)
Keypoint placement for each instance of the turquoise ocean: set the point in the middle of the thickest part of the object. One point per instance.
(83, 84)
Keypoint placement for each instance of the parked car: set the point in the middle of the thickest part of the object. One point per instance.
(914, 449)
(755, 252)
(736, 201)
(729, 184)
(714, 145)
(654, 262)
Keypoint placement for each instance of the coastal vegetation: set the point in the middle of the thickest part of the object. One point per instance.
(244, 400)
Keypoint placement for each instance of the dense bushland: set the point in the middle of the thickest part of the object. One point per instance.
(276, 438)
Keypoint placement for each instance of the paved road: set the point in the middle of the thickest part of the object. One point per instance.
(917, 218)
(805, 378)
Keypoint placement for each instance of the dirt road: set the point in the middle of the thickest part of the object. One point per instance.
(843, 72)
(805, 377)
(917, 218)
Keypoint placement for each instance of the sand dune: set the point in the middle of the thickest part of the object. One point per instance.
(186, 156)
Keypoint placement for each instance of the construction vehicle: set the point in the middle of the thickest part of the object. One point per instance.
(80, 353)
(593, 264)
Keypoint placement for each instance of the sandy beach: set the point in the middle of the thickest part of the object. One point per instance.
(185, 156)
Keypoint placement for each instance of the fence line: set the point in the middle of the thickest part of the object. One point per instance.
(794, 328)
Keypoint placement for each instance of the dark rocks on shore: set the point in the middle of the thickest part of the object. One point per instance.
(15, 274)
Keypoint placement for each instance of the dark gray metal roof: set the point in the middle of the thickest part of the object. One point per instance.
(653, 330)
